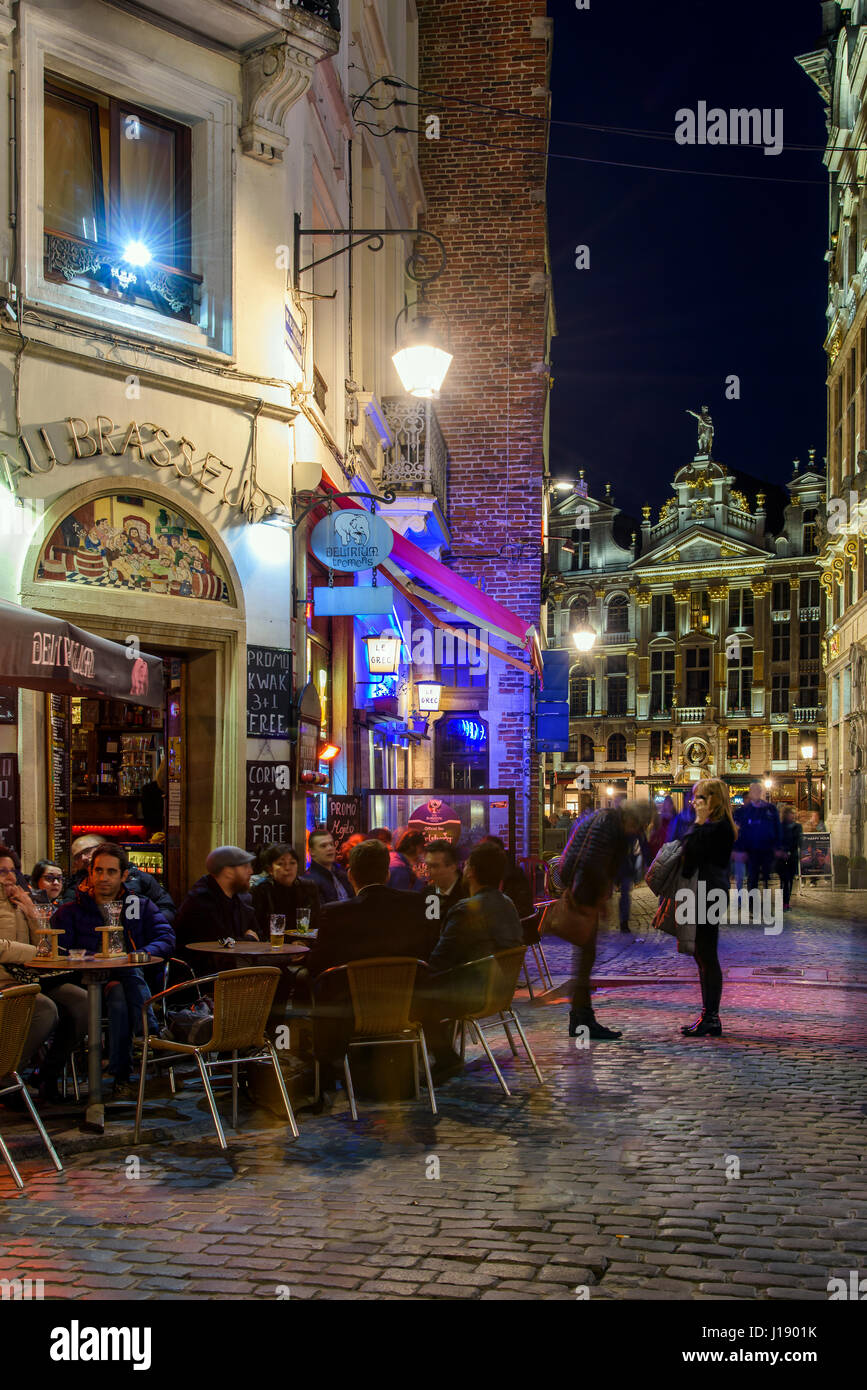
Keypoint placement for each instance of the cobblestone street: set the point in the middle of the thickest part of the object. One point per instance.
(654, 1167)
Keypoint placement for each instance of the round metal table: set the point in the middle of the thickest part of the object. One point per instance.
(96, 969)
(258, 951)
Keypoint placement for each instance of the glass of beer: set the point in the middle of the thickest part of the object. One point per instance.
(302, 920)
(277, 927)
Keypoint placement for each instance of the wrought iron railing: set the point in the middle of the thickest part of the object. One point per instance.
(418, 459)
(329, 10)
(162, 287)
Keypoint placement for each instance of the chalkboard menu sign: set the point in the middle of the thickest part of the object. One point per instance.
(344, 815)
(269, 692)
(8, 704)
(10, 830)
(269, 804)
(60, 740)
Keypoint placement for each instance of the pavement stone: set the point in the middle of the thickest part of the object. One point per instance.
(656, 1167)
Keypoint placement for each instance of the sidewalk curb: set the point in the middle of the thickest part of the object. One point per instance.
(563, 990)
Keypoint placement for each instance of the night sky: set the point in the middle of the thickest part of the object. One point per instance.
(691, 278)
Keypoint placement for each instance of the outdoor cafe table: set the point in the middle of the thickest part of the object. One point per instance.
(258, 951)
(96, 970)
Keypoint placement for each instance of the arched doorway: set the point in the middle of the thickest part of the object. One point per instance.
(124, 560)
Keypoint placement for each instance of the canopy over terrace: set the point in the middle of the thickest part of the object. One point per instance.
(425, 581)
(41, 652)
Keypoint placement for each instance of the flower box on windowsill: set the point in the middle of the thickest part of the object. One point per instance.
(101, 268)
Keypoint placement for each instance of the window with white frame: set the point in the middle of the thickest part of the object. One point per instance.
(617, 614)
(126, 185)
(117, 181)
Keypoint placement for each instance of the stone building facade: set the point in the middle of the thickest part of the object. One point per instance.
(706, 660)
(838, 66)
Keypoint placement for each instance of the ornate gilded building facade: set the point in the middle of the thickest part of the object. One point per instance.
(707, 628)
(839, 69)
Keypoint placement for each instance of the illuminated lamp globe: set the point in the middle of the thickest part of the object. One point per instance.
(584, 638)
(807, 751)
(422, 369)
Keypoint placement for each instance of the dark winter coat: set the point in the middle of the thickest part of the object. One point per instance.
(324, 881)
(207, 914)
(758, 827)
(479, 926)
(270, 897)
(144, 926)
(144, 885)
(707, 852)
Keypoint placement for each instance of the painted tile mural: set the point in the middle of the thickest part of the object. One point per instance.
(126, 542)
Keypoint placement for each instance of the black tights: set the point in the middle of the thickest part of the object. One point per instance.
(709, 972)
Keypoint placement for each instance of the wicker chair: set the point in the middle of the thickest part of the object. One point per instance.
(16, 1015)
(486, 989)
(381, 994)
(242, 1002)
(532, 939)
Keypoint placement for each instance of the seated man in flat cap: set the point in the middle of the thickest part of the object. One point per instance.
(217, 905)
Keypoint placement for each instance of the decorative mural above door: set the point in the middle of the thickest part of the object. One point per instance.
(127, 541)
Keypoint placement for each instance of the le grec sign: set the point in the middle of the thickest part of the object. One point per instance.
(146, 442)
(352, 540)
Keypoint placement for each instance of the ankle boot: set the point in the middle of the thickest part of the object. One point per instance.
(708, 1026)
(585, 1018)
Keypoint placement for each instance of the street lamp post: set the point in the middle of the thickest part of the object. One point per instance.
(807, 751)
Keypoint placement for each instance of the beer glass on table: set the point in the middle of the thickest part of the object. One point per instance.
(277, 928)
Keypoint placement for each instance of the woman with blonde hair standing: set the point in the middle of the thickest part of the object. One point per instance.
(707, 851)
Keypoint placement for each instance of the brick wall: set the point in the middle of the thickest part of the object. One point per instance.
(487, 204)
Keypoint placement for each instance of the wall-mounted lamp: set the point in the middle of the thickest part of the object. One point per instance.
(428, 694)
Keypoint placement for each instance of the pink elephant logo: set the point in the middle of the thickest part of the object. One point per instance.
(139, 677)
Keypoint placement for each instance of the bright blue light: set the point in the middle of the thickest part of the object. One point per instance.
(472, 730)
(384, 687)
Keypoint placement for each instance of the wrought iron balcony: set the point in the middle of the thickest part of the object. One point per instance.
(102, 268)
(418, 459)
(615, 639)
(329, 10)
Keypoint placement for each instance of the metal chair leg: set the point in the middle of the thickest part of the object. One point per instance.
(34, 1115)
(463, 1038)
(540, 948)
(172, 1086)
(142, 1082)
(75, 1088)
(283, 1092)
(533, 1063)
(12, 1169)
(484, 1042)
(505, 1023)
(235, 1089)
(415, 1070)
(349, 1091)
(527, 979)
(211, 1102)
(315, 1079)
(427, 1074)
